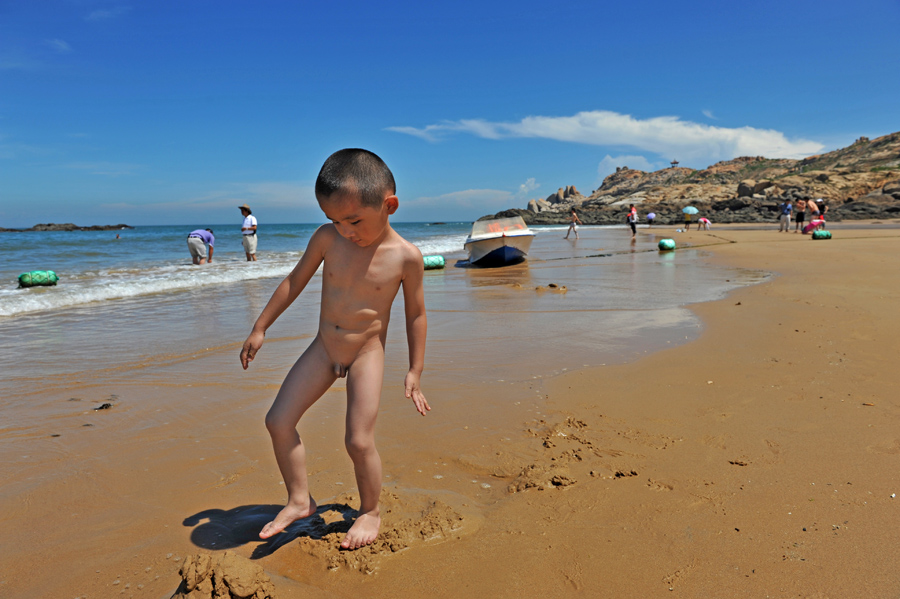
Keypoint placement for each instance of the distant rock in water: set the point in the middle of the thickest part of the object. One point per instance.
(861, 181)
(68, 227)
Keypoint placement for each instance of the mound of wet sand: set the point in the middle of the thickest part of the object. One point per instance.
(227, 576)
(405, 521)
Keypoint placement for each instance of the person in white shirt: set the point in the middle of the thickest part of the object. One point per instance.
(248, 230)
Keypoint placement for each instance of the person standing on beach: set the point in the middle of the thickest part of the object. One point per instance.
(813, 208)
(801, 214)
(197, 241)
(364, 264)
(574, 221)
(631, 219)
(785, 218)
(248, 230)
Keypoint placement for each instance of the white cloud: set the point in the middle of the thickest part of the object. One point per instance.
(59, 45)
(667, 136)
(108, 13)
(709, 114)
(609, 164)
(527, 187)
(425, 133)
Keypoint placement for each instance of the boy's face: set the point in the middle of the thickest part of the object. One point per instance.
(362, 225)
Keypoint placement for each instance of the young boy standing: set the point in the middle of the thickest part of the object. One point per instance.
(365, 262)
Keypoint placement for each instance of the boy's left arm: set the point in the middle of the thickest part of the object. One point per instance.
(416, 328)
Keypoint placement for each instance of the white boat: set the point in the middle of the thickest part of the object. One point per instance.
(499, 241)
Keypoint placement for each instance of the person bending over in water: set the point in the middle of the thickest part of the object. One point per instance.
(365, 263)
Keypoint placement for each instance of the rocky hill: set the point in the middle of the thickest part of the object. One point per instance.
(861, 181)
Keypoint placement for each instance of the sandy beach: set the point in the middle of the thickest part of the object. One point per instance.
(748, 449)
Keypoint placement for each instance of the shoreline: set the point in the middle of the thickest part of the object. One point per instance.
(763, 470)
(593, 521)
(770, 476)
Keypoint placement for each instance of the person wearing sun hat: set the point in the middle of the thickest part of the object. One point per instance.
(248, 231)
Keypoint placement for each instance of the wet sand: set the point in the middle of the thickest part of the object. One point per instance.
(745, 461)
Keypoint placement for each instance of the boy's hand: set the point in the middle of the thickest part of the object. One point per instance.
(413, 392)
(251, 346)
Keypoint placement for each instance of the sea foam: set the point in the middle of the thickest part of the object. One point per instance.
(110, 284)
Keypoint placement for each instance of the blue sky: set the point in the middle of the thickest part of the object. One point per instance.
(163, 112)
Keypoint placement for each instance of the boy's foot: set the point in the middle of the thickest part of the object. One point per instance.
(363, 532)
(286, 517)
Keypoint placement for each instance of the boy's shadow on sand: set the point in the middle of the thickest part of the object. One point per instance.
(227, 529)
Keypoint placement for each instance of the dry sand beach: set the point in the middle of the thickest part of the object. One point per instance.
(748, 451)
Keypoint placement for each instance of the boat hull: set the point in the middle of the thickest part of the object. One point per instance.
(499, 251)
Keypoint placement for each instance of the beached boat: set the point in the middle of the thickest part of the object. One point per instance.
(499, 241)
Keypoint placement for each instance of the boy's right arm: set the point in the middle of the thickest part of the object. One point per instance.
(287, 291)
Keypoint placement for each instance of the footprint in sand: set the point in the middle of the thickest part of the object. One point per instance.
(658, 486)
(717, 441)
(888, 447)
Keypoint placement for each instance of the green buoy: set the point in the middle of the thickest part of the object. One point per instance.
(38, 278)
(433, 262)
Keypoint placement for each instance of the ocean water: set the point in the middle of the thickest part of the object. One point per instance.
(94, 266)
(135, 310)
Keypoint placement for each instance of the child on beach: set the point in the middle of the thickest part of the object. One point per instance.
(365, 262)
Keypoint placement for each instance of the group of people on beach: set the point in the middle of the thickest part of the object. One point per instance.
(703, 223)
(199, 239)
(630, 220)
(364, 264)
(816, 208)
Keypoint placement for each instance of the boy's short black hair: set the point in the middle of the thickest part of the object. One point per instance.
(359, 172)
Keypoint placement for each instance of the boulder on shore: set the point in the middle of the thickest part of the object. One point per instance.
(746, 187)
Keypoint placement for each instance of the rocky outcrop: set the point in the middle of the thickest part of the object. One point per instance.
(861, 181)
(745, 188)
(564, 196)
(68, 227)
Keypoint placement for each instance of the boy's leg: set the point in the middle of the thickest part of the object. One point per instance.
(306, 382)
(363, 398)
